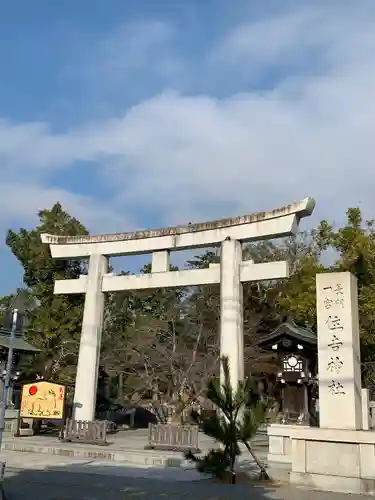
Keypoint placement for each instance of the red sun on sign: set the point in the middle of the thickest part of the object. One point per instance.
(33, 390)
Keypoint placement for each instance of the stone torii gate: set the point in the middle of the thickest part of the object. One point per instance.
(232, 271)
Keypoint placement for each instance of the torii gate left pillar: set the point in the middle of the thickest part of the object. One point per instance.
(91, 337)
(229, 234)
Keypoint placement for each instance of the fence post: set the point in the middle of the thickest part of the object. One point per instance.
(83, 431)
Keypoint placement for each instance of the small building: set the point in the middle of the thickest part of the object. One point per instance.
(20, 347)
(296, 360)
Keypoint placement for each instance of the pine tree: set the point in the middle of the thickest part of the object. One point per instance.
(236, 421)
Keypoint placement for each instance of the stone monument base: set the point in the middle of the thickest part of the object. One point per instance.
(341, 461)
(280, 443)
(11, 422)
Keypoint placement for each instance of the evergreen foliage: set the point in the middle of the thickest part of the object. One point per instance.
(236, 421)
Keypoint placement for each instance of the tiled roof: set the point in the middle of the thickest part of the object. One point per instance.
(292, 330)
(20, 343)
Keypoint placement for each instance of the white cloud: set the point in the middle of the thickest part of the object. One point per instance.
(303, 39)
(132, 54)
(264, 41)
(20, 202)
(196, 157)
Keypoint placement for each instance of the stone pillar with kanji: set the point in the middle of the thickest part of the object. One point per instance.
(339, 364)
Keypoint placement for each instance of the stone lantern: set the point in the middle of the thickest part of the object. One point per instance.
(296, 350)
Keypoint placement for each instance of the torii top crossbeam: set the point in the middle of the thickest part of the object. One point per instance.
(276, 223)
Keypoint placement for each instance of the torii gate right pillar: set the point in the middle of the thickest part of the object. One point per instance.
(231, 309)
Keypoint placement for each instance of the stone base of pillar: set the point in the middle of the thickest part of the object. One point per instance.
(341, 461)
(280, 443)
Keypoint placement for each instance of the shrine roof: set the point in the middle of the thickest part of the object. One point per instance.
(291, 330)
(20, 343)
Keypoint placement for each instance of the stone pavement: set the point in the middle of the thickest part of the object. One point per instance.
(32, 476)
(126, 447)
(126, 455)
(20, 461)
(65, 484)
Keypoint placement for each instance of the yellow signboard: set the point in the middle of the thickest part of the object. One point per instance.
(43, 400)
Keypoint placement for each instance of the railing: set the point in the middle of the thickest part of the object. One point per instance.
(82, 431)
(173, 437)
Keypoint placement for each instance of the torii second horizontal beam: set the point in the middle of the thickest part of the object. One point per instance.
(171, 279)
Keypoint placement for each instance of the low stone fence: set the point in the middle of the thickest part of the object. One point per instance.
(86, 432)
(173, 437)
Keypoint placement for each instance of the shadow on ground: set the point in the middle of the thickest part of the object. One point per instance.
(145, 484)
(67, 483)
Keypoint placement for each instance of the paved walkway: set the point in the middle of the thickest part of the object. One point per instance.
(126, 447)
(20, 461)
(32, 476)
(67, 485)
(123, 440)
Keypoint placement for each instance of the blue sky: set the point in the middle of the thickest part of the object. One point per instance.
(143, 113)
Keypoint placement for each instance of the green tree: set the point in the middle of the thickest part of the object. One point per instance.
(354, 246)
(54, 325)
(293, 297)
(5, 303)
